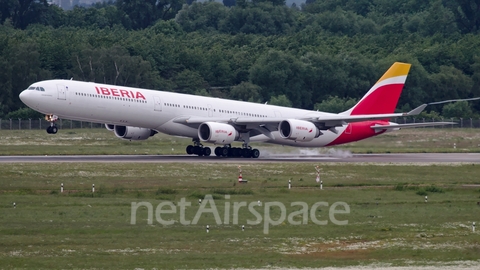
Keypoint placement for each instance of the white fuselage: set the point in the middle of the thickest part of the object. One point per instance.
(157, 110)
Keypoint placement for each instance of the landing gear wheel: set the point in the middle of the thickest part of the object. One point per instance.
(224, 151)
(189, 149)
(255, 153)
(246, 153)
(236, 152)
(197, 150)
(206, 151)
(52, 130)
(218, 151)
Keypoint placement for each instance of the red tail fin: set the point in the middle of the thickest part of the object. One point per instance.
(383, 96)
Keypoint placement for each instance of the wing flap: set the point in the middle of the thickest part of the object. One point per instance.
(412, 125)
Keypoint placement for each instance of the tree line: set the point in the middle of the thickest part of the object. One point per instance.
(323, 54)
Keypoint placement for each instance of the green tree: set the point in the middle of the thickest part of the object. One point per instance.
(449, 83)
(112, 66)
(201, 16)
(139, 14)
(23, 12)
(279, 73)
(460, 109)
(23, 113)
(229, 3)
(189, 82)
(280, 100)
(334, 104)
(245, 91)
(467, 14)
(439, 20)
(99, 16)
(263, 18)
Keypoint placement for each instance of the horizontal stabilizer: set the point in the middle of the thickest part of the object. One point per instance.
(413, 125)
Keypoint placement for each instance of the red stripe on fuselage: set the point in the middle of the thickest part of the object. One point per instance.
(382, 100)
(358, 131)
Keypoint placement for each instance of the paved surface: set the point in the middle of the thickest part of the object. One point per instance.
(371, 158)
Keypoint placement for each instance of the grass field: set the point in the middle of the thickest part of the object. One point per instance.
(101, 141)
(389, 222)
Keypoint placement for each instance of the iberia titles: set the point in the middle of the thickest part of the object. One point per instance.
(119, 93)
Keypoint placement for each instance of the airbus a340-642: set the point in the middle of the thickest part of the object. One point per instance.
(137, 114)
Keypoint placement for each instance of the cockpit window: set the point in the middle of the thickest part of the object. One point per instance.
(38, 88)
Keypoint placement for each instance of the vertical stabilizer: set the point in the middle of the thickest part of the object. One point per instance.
(383, 97)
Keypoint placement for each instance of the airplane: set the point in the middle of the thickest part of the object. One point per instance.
(137, 114)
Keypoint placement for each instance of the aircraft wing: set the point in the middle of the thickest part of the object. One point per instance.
(322, 122)
(412, 125)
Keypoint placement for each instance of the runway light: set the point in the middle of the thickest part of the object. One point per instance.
(318, 177)
(240, 177)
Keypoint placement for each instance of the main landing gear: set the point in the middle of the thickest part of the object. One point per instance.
(198, 149)
(52, 129)
(228, 151)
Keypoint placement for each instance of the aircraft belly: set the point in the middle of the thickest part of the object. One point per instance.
(177, 129)
(326, 138)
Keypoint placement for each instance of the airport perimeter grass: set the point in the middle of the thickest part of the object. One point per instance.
(101, 142)
(388, 220)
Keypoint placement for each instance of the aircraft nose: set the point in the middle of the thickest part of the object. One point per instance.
(23, 95)
(26, 97)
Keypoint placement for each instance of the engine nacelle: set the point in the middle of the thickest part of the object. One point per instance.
(133, 133)
(298, 130)
(110, 127)
(217, 133)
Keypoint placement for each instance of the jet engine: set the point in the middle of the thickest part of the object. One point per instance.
(217, 133)
(298, 130)
(133, 133)
(110, 127)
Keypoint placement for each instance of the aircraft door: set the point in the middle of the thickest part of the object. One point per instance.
(157, 104)
(62, 95)
(210, 110)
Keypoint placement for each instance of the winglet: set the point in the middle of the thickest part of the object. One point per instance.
(417, 110)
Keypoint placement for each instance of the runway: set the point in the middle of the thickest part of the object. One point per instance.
(355, 158)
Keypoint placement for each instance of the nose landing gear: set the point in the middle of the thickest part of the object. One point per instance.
(52, 129)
